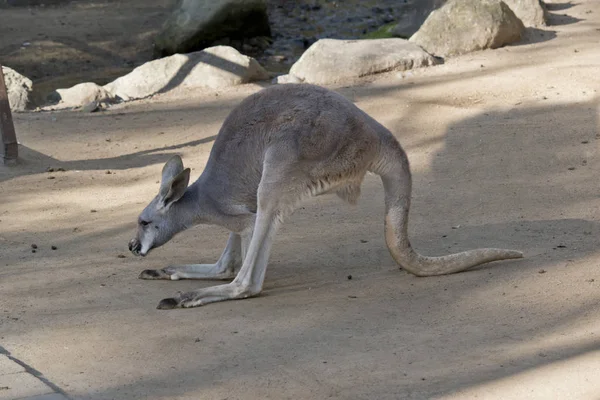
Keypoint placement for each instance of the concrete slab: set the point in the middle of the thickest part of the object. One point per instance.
(51, 396)
(22, 384)
(8, 366)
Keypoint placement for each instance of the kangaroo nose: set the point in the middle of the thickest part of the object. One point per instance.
(135, 246)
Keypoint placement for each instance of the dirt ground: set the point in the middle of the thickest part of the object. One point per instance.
(504, 152)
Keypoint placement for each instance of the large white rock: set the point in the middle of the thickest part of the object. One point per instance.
(415, 12)
(215, 67)
(196, 24)
(332, 60)
(87, 94)
(18, 88)
(463, 26)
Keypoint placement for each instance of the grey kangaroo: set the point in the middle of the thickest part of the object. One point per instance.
(279, 147)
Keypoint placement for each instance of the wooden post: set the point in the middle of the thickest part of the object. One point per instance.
(9, 150)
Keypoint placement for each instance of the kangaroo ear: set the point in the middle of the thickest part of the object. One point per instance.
(172, 168)
(174, 189)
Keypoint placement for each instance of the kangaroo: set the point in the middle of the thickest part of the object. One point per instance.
(277, 148)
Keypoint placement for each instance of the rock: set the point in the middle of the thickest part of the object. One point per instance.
(462, 26)
(331, 60)
(196, 24)
(414, 13)
(86, 95)
(287, 79)
(215, 67)
(530, 12)
(18, 88)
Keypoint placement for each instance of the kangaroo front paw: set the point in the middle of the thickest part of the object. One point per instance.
(154, 274)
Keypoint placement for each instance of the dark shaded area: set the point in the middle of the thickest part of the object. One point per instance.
(34, 162)
(559, 6)
(134, 160)
(233, 22)
(554, 19)
(535, 35)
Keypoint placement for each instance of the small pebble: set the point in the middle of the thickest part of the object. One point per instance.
(542, 271)
(349, 277)
(34, 246)
(33, 250)
(121, 256)
(93, 211)
(53, 247)
(51, 177)
(108, 172)
(363, 241)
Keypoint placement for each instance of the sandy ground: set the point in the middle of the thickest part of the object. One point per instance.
(504, 148)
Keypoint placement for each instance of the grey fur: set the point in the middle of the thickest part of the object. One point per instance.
(277, 148)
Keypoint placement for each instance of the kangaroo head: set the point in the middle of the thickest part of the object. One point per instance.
(160, 221)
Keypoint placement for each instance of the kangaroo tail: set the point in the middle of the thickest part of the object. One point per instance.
(393, 167)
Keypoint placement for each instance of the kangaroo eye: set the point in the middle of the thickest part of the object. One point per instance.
(144, 223)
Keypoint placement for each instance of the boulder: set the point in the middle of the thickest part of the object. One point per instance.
(332, 60)
(18, 88)
(197, 24)
(415, 12)
(463, 26)
(84, 95)
(530, 12)
(215, 67)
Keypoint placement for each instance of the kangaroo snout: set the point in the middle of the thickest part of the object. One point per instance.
(135, 247)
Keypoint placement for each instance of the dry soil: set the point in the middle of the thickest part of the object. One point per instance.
(504, 152)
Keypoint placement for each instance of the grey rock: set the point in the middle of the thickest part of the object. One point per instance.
(287, 79)
(463, 26)
(215, 67)
(196, 24)
(18, 88)
(531, 12)
(331, 60)
(415, 12)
